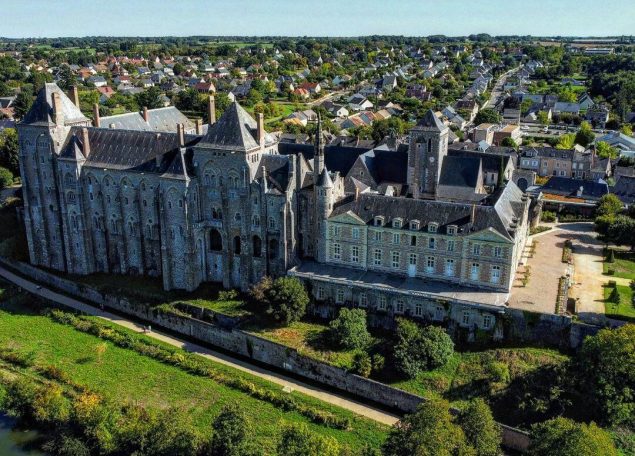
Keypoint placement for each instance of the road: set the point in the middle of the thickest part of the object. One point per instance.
(497, 90)
(328, 96)
(274, 377)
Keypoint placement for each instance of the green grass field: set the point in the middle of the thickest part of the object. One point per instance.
(624, 265)
(625, 310)
(124, 375)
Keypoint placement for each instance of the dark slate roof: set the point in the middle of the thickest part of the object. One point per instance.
(549, 152)
(139, 151)
(42, 110)
(324, 180)
(387, 165)
(570, 187)
(162, 119)
(337, 158)
(368, 206)
(235, 130)
(431, 121)
(625, 189)
(278, 169)
(491, 161)
(460, 172)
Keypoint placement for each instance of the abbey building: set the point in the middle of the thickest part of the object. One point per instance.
(151, 193)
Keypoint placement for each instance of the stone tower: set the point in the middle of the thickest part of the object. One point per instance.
(428, 148)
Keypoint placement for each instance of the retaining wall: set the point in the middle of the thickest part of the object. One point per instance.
(251, 346)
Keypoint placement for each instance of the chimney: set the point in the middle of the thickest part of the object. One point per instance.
(356, 193)
(264, 178)
(211, 110)
(75, 96)
(473, 216)
(261, 129)
(112, 125)
(199, 126)
(58, 112)
(146, 116)
(181, 133)
(85, 142)
(96, 119)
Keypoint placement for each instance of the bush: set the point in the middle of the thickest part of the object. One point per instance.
(362, 364)
(564, 437)
(420, 349)
(6, 178)
(611, 256)
(481, 431)
(299, 441)
(548, 217)
(614, 297)
(229, 432)
(227, 295)
(349, 331)
(287, 299)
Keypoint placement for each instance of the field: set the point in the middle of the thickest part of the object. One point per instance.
(123, 375)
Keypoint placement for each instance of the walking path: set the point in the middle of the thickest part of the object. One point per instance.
(287, 383)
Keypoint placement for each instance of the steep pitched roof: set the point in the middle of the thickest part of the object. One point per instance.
(161, 119)
(235, 130)
(42, 110)
(431, 121)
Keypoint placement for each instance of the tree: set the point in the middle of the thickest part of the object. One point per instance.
(509, 142)
(605, 150)
(362, 364)
(229, 432)
(9, 150)
(566, 141)
(66, 78)
(349, 329)
(22, 104)
(610, 258)
(150, 98)
(487, 115)
(543, 118)
(299, 441)
(430, 431)
(564, 437)
(614, 297)
(6, 178)
(605, 370)
(621, 231)
(287, 299)
(627, 130)
(585, 135)
(419, 349)
(609, 205)
(171, 434)
(480, 429)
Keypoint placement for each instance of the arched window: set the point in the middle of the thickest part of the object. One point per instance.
(237, 217)
(237, 245)
(257, 245)
(273, 249)
(215, 241)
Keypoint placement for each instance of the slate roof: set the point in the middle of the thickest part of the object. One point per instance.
(569, 187)
(625, 189)
(386, 165)
(460, 172)
(139, 151)
(491, 159)
(235, 130)
(549, 152)
(367, 206)
(278, 168)
(161, 119)
(42, 110)
(431, 121)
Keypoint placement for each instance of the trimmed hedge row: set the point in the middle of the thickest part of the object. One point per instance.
(197, 366)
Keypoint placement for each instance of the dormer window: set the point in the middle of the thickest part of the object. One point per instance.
(379, 221)
(397, 223)
(433, 227)
(451, 230)
(414, 225)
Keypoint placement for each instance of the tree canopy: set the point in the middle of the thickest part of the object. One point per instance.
(418, 349)
(349, 329)
(564, 437)
(487, 115)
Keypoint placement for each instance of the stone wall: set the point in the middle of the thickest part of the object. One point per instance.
(250, 346)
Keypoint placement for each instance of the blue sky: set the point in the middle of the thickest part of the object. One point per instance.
(52, 18)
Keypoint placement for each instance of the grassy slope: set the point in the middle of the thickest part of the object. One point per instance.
(124, 375)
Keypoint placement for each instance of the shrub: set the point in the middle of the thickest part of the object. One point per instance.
(229, 432)
(227, 295)
(481, 431)
(498, 372)
(420, 349)
(349, 330)
(378, 362)
(611, 256)
(564, 437)
(548, 217)
(614, 297)
(362, 364)
(6, 178)
(299, 441)
(287, 299)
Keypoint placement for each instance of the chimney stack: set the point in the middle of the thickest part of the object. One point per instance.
(261, 129)
(146, 116)
(211, 110)
(75, 96)
(180, 131)
(85, 142)
(473, 217)
(112, 126)
(96, 119)
(199, 127)
(58, 112)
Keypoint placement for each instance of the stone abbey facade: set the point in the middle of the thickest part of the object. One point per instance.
(148, 194)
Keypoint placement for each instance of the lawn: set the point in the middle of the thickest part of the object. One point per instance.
(625, 310)
(124, 375)
(308, 338)
(624, 265)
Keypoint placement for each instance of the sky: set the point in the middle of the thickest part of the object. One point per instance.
(55, 18)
